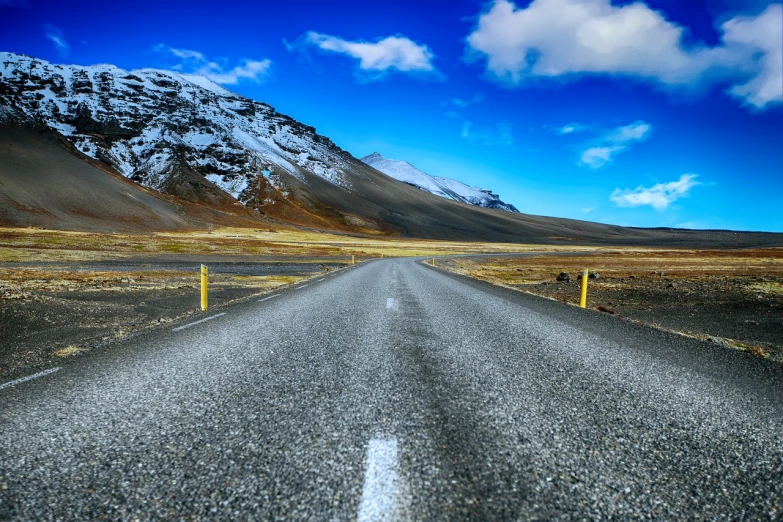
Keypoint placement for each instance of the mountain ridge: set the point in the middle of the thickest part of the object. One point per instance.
(219, 154)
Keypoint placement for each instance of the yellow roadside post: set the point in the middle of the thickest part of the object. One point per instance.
(381, 255)
(204, 282)
(433, 260)
(583, 299)
(353, 259)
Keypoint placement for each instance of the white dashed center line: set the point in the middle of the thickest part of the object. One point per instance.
(267, 298)
(29, 378)
(389, 303)
(381, 482)
(300, 287)
(178, 328)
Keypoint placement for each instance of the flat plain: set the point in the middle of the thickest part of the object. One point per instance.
(66, 293)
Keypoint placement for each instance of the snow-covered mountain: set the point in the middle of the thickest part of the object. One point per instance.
(161, 128)
(444, 187)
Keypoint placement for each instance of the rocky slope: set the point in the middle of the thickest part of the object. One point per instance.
(443, 187)
(167, 130)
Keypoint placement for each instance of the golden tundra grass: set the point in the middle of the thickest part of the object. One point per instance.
(27, 244)
(15, 282)
(621, 263)
(68, 351)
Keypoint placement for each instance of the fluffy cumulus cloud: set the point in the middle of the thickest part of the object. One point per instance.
(564, 38)
(57, 38)
(393, 53)
(195, 62)
(616, 141)
(659, 196)
(764, 32)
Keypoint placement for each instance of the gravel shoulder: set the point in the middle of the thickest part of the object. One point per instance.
(731, 298)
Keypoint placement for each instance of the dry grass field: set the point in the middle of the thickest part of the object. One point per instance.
(30, 244)
(731, 297)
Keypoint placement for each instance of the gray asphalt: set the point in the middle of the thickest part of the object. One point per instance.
(456, 400)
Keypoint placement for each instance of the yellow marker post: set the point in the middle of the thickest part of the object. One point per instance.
(583, 299)
(353, 260)
(381, 255)
(204, 291)
(433, 260)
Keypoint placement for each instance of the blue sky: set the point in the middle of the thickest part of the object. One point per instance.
(655, 113)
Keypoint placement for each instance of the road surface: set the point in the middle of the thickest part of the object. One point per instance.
(394, 391)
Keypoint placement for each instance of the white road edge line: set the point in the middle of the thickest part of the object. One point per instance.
(381, 482)
(29, 377)
(321, 279)
(267, 298)
(178, 328)
(389, 303)
(300, 287)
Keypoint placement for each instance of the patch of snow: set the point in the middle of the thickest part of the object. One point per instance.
(206, 83)
(233, 186)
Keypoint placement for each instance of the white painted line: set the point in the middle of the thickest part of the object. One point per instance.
(389, 303)
(321, 279)
(300, 287)
(267, 298)
(381, 482)
(29, 377)
(178, 328)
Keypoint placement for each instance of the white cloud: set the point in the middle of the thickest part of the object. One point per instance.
(636, 131)
(587, 210)
(57, 37)
(195, 62)
(597, 157)
(570, 128)
(658, 196)
(498, 135)
(614, 142)
(764, 32)
(390, 53)
(565, 38)
(476, 99)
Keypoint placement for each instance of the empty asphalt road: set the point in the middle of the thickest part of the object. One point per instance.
(393, 391)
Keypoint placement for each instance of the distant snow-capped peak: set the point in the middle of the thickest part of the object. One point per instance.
(443, 187)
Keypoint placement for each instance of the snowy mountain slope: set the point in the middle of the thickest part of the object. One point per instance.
(152, 124)
(443, 187)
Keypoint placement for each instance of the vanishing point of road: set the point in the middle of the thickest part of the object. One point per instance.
(394, 391)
